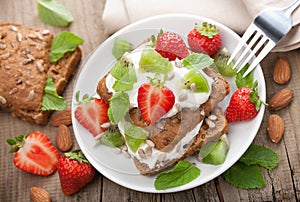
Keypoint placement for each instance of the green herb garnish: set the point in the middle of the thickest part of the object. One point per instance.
(197, 61)
(112, 138)
(134, 136)
(120, 47)
(183, 173)
(51, 100)
(64, 42)
(118, 107)
(54, 13)
(246, 172)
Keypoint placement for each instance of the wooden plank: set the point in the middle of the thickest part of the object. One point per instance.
(283, 183)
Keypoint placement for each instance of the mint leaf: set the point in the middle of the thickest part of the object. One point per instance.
(197, 61)
(134, 136)
(54, 13)
(120, 47)
(183, 173)
(244, 176)
(63, 43)
(246, 81)
(259, 155)
(118, 107)
(51, 100)
(112, 138)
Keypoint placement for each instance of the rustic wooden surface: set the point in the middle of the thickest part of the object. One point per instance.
(283, 183)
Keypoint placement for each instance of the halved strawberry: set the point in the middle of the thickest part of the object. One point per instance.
(154, 102)
(92, 114)
(170, 45)
(35, 154)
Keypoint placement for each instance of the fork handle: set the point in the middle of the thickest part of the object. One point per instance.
(290, 8)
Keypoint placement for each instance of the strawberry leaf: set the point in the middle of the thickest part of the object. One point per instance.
(247, 81)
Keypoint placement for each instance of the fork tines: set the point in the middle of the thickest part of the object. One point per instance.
(253, 39)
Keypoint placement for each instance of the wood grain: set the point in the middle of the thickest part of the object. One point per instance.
(283, 183)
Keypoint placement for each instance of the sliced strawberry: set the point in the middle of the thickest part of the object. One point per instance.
(91, 115)
(170, 45)
(154, 102)
(35, 154)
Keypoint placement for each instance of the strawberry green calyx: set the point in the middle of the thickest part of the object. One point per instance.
(207, 29)
(77, 155)
(17, 143)
(84, 100)
(254, 97)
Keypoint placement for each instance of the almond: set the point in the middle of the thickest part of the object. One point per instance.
(61, 117)
(275, 127)
(38, 194)
(280, 99)
(63, 138)
(282, 71)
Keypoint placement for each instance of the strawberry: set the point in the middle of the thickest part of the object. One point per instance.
(244, 105)
(154, 101)
(34, 153)
(74, 172)
(92, 114)
(170, 45)
(205, 39)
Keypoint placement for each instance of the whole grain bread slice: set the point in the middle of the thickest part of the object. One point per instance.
(167, 133)
(24, 68)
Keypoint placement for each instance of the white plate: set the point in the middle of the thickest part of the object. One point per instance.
(122, 170)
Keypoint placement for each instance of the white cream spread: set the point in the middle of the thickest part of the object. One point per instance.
(191, 100)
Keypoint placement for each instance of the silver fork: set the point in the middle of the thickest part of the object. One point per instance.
(266, 30)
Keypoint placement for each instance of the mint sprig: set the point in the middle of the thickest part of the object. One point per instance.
(54, 13)
(183, 173)
(118, 107)
(64, 42)
(51, 100)
(245, 173)
(197, 61)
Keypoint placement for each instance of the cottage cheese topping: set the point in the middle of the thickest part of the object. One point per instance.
(184, 98)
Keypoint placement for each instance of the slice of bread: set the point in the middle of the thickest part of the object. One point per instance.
(168, 132)
(24, 68)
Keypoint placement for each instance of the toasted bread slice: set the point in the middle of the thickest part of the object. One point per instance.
(168, 132)
(24, 68)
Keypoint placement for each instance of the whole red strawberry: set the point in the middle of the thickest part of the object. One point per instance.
(244, 105)
(170, 45)
(154, 101)
(74, 172)
(34, 153)
(205, 39)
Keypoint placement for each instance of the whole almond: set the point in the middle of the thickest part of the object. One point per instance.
(63, 138)
(61, 117)
(280, 99)
(282, 71)
(38, 194)
(275, 127)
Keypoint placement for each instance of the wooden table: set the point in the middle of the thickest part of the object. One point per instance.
(283, 183)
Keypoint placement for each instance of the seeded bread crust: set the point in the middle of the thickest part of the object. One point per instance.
(24, 68)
